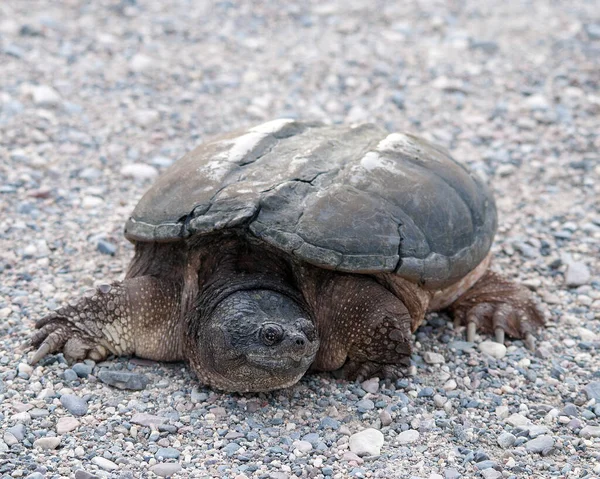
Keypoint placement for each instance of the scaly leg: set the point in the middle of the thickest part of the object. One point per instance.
(137, 316)
(362, 326)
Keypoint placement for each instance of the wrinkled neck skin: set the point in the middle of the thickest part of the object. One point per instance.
(250, 329)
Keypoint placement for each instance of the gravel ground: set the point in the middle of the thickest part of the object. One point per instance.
(96, 98)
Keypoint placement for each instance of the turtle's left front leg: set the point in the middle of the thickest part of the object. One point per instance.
(362, 326)
(137, 316)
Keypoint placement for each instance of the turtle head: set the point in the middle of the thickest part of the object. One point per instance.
(256, 340)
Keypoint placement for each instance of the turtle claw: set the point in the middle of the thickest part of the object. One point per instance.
(471, 329)
(48, 340)
(500, 307)
(530, 341)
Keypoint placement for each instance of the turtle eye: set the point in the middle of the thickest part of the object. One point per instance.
(271, 334)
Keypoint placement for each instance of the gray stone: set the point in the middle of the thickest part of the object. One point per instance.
(106, 247)
(365, 405)
(69, 375)
(592, 390)
(593, 30)
(506, 440)
(385, 418)
(123, 379)
(167, 453)
(82, 370)
(590, 431)
(540, 444)
(166, 469)
(451, 473)
(535, 431)
(144, 419)
(74, 404)
(81, 474)
(231, 448)
(18, 431)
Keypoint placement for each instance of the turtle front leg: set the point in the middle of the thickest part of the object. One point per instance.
(499, 306)
(137, 316)
(363, 327)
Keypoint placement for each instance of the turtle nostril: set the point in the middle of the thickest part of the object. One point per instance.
(300, 342)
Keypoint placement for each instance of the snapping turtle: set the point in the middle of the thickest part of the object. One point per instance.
(297, 245)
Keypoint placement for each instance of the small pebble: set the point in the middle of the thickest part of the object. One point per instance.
(408, 437)
(74, 404)
(540, 444)
(433, 358)
(493, 349)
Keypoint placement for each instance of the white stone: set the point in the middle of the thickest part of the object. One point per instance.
(66, 424)
(491, 474)
(22, 417)
(89, 202)
(141, 63)
(496, 350)
(5, 313)
(371, 385)
(10, 439)
(104, 463)
(146, 118)
(302, 446)
(408, 437)
(433, 358)
(502, 412)
(139, 171)
(25, 368)
(577, 274)
(586, 334)
(45, 96)
(367, 442)
(537, 102)
(46, 443)
(450, 385)
(517, 420)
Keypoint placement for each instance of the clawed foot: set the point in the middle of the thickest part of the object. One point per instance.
(361, 371)
(56, 333)
(498, 306)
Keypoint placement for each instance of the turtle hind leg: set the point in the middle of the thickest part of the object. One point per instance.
(137, 316)
(499, 306)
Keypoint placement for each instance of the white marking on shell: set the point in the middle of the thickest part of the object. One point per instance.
(402, 143)
(240, 148)
(373, 160)
(272, 126)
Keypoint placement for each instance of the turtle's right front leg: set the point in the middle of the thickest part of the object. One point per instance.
(137, 316)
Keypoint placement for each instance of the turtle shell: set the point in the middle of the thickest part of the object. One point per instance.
(349, 198)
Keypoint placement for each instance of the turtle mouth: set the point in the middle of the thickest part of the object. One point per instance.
(283, 363)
